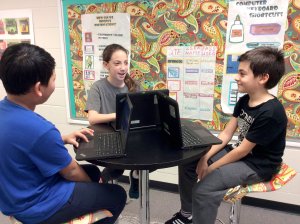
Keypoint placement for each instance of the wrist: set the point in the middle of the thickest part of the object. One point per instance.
(205, 158)
(64, 138)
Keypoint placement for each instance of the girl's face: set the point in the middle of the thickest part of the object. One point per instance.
(117, 67)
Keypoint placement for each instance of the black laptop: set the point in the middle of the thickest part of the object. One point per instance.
(145, 113)
(108, 145)
(185, 133)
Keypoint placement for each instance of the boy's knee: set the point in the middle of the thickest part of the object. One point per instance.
(199, 191)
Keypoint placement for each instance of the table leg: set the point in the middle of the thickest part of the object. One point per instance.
(144, 196)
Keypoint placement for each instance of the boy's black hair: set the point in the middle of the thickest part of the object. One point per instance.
(23, 65)
(266, 60)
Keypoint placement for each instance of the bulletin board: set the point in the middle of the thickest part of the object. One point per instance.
(160, 23)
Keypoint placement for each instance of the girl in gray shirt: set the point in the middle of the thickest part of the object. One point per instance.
(101, 102)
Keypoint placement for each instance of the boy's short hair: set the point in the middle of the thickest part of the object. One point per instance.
(266, 60)
(23, 65)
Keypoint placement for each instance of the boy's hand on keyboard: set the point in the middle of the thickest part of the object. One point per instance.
(79, 134)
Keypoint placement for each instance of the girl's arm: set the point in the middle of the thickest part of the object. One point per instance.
(95, 118)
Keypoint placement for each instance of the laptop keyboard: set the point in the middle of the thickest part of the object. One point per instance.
(188, 138)
(109, 145)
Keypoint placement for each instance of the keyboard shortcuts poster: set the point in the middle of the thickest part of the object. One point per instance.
(250, 24)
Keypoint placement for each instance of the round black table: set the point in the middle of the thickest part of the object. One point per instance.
(147, 149)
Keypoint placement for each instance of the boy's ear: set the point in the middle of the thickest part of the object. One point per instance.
(37, 89)
(264, 78)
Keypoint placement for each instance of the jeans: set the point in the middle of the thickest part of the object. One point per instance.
(89, 197)
(209, 192)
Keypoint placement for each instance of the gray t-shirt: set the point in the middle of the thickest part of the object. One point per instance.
(102, 97)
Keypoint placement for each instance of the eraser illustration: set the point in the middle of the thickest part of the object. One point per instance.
(265, 29)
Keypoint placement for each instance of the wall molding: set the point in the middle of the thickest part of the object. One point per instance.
(250, 201)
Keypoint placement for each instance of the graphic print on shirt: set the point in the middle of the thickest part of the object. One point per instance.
(244, 123)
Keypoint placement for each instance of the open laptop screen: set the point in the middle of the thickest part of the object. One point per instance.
(188, 134)
(145, 112)
(125, 119)
(170, 118)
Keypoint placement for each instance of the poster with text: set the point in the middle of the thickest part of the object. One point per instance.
(190, 79)
(251, 24)
(98, 31)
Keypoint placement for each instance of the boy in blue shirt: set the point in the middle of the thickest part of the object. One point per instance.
(40, 181)
(258, 152)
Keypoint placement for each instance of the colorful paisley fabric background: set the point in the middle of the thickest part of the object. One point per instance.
(158, 24)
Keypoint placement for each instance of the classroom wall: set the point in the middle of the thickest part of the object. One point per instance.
(48, 34)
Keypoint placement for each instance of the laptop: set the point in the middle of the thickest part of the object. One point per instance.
(108, 145)
(184, 133)
(145, 113)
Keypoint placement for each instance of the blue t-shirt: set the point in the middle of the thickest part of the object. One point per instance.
(32, 153)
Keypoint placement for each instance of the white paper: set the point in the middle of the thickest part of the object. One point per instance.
(98, 31)
(190, 79)
(250, 24)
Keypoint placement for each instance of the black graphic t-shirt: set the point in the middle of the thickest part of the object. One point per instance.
(264, 125)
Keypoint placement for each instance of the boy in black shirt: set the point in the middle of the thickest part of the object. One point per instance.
(256, 155)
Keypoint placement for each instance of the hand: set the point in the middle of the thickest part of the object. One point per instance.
(210, 169)
(71, 138)
(201, 169)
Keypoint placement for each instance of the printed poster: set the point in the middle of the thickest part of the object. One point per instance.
(250, 24)
(98, 31)
(15, 27)
(190, 79)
